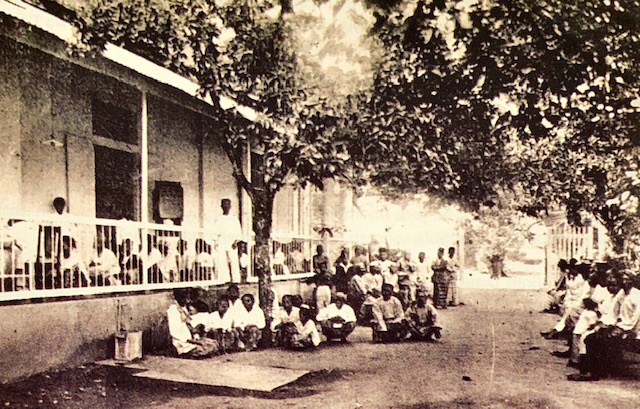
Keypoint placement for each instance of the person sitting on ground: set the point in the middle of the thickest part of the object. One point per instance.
(393, 278)
(366, 310)
(577, 289)
(197, 321)
(222, 328)
(283, 326)
(404, 295)
(249, 322)
(338, 319)
(179, 328)
(369, 280)
(307, 335)
(422, 317)
(233, 295)
(388, 323)
(603, 348)
(556, 294)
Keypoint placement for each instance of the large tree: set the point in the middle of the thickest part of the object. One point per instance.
(271, 75)
(539, 97)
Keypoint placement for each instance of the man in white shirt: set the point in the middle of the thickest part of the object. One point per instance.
(338, 319)
(424, 273)
(227, 232)
(389, 323)
(283, 326)
(249, 322)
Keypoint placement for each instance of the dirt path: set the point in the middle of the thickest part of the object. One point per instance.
(491, 356)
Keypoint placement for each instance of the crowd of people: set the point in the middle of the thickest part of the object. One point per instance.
(387, 291)
(599, 309)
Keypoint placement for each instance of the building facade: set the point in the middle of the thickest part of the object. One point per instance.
(110, 190)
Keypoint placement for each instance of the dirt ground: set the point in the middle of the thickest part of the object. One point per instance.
(491, 356)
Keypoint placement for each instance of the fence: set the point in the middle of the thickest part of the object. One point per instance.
(52, 256)
(291, 256)
(47, 256)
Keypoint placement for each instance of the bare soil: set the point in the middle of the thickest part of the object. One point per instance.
(491, 356)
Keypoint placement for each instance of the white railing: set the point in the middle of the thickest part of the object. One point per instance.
(46, 256)
(52, 256)
(292, 255)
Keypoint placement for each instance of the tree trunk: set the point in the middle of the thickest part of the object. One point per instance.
(262, 218)
(497, 267)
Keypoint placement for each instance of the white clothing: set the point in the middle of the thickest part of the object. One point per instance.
(629, 319)
(168, 266)
(177, 317)
(244, 318)
(610, 308)
(308, 330)
(281, 316)
(383, 265)
(224, 322)
(369, 282)
(391, 278)
(226, 232)
(583, 328)
(599, 294)
(201, 318)
(323, 297)
(587, 319)
(332, 311)
(106, 265)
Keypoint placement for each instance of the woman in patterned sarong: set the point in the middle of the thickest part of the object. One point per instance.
(440, 280)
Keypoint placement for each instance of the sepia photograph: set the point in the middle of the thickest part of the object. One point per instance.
(333, 204)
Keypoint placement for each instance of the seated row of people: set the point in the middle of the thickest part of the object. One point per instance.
(236, 325)
(600, 312)
(393, 323)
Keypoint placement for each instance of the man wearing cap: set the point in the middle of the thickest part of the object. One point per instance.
(338, 319)
(308, 335)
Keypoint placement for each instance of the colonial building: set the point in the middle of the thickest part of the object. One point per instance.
(110, 188)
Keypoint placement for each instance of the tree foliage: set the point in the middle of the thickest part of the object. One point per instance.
(539, 97)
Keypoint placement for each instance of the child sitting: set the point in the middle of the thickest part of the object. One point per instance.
(249, 322)
(421, 318)
(222, 328)
(307, 335)
(284, 322)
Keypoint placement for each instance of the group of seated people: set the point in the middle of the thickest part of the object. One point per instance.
(239, 324)
(600, 316)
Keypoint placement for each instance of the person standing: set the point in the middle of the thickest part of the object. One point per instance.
(440, 280)
(227, 232)
(453, 269)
